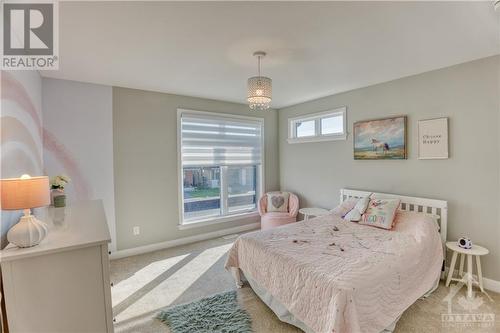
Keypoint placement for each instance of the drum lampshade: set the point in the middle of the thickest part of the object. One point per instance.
(24, 193)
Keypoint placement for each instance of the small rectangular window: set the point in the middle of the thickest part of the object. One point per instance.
(305, 128)
(332, 125)
(322, 126)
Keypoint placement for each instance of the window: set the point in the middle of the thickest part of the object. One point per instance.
(305, 128)
(323, 126)
(221, 166)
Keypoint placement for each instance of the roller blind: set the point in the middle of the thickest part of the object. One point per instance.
(215, 140)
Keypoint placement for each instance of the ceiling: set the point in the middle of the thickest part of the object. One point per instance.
(204, 49)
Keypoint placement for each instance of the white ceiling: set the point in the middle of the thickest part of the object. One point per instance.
(314, 49)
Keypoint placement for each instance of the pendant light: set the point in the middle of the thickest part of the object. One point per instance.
(259, 88)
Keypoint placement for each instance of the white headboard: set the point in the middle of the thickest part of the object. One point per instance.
(414, 204)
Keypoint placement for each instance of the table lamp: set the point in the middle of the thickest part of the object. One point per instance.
(25, 193)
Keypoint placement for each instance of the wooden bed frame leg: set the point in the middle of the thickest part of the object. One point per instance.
(237, 277)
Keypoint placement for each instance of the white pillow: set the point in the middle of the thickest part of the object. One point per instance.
(362, 205)
(354, 215)
(359, 209)
(344, 207)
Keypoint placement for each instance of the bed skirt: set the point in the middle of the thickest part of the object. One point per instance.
(285, 316)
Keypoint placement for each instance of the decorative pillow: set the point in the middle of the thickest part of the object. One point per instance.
(354, 215)
(277, 202)
(362, 205)
(344, 207)
(380, 213)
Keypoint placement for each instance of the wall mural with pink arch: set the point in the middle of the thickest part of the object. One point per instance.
(23, 137)
(69, 163)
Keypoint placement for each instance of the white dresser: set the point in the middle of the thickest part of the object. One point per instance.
(62, 284)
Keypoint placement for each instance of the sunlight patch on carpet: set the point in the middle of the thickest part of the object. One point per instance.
(167, 291)
(142, 277)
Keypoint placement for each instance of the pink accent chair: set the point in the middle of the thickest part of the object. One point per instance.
(275, 219)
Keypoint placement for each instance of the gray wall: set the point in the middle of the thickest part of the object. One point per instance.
(145, 162)
(469, 180)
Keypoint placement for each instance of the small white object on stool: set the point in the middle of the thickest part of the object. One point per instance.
(465, 243)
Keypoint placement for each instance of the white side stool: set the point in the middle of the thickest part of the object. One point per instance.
(307, 212)
(468, 279)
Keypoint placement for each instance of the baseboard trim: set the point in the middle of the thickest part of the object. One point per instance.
(181, 241)
(490, 284)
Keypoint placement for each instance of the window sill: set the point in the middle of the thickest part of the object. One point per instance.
(216, 220)
(317, 139)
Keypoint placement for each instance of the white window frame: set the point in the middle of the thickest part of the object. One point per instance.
(180, 172)
(317, 137)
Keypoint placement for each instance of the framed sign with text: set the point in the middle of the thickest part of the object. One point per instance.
(433, 139)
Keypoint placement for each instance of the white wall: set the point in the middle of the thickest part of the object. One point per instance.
(78, 118)
(469, 180)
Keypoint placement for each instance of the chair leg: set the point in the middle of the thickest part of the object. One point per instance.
(479, 273)
(452, 268)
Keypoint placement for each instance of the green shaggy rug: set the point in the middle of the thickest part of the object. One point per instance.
(220, 313)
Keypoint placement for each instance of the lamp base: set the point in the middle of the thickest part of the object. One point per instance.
(29, 231)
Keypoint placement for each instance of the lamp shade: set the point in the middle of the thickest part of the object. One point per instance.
(24, 193)
(259, 94)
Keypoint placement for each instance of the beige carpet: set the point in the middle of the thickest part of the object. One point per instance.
(145, 284)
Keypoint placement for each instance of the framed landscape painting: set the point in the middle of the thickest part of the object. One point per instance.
(380, 139)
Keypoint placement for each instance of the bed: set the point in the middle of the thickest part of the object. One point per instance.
(330, 275)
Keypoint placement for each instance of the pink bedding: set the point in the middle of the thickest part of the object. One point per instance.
(339, 276)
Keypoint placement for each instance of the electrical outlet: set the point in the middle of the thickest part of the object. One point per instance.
(136, 230)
